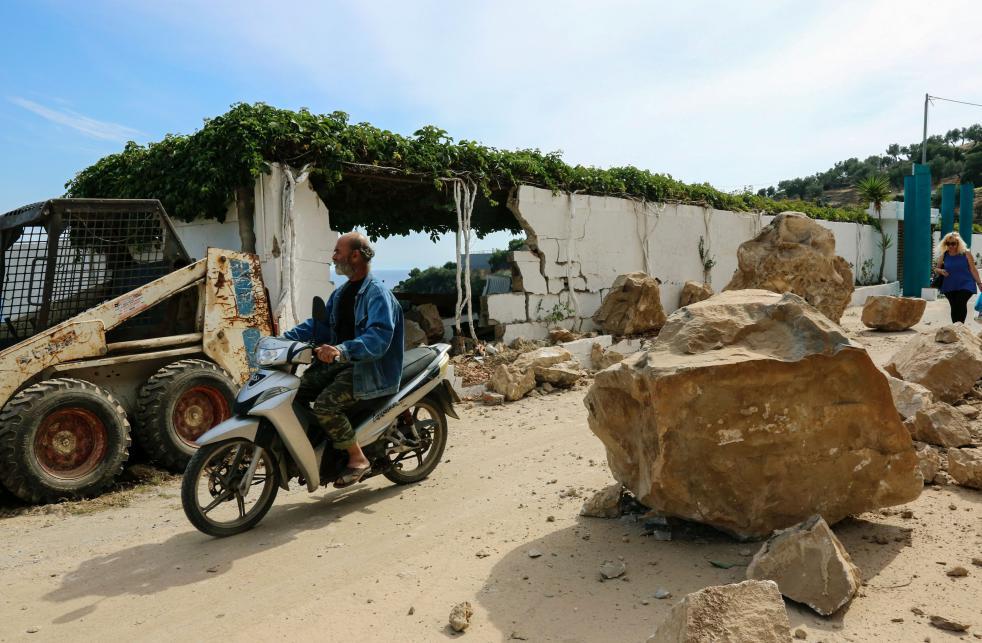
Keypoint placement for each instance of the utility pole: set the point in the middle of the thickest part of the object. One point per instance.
(927, 99)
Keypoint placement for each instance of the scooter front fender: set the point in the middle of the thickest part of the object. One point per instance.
(234, 427)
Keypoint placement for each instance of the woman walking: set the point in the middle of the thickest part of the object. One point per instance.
(961, 276)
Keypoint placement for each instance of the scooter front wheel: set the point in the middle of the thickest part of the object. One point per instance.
(215, 498)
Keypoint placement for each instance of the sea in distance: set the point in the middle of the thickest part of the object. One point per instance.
(390, 278)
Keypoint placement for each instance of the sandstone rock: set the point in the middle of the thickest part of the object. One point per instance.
(909, 398)
(940, 424)
(752, 412)
(633, 306)
(928, 461)
(751, 611)
(563, 375)
(883, 312)
(414, 335)
(809, 565)
(970, 412)
(606, 503)
(947, 362)
(693, 291)
(460, 616)
(611, 569)
(513, 383)
(965, 467)
(543, 357)
(559, 335)
(796, 254)
(428, 318)
(493, 399)
(602, 359)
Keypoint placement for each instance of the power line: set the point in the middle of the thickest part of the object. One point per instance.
(952, 100)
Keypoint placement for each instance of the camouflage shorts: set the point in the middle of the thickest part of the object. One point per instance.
(331, 389)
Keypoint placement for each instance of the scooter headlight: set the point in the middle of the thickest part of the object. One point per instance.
(271, 356)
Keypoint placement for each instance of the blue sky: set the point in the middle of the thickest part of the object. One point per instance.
(731, 93)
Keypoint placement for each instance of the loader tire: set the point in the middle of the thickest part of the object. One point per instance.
(177, 405)
(62, 438)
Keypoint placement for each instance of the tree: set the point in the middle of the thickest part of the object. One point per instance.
(499, 258)
(972, 169)
(876, 189)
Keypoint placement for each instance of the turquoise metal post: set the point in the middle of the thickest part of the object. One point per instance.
(947, 208)
(911, 287)
(922, 214)
(966, 214)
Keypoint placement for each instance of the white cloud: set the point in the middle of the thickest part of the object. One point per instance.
(90, 127)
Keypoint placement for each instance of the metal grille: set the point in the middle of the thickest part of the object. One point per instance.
(74, 262)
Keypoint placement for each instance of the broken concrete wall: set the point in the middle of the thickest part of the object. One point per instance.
(312, 238)
(581, 243)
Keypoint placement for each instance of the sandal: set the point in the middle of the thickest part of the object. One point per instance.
(351, 475)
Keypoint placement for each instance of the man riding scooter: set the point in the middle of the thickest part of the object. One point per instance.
(359, 351)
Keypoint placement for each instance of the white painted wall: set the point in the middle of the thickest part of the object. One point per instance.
(586, 241)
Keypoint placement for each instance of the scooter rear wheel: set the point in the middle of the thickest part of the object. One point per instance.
(210, 488)
(429, 430)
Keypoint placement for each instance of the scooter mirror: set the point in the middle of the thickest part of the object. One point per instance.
(318, 310)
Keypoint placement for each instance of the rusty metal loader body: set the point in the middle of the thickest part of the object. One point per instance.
(120, 330)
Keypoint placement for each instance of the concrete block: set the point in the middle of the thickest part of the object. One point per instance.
(556, 285)
(581, 348)
(542, 306)
(507, 308)
(523, 256)
(587, 303)
(537, 330)
(531, 278)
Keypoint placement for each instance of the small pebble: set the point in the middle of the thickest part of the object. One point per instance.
(800, 634)
(551, 519)
(33, 630)
(534, 553)
(957, 572)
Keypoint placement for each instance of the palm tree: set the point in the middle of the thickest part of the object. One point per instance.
(876, 190)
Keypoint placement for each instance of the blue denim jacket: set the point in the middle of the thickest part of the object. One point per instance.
(377, 349)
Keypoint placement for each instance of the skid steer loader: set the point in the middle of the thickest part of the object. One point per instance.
(107, 324)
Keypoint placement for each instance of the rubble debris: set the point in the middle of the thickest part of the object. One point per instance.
(560, 335)
(563, 375)
(602, 359)
(493, 399)
(947, 362)
(957, 572)
(940, 424)
(632, 306)
(749, 611)
(460, 616)
(694, 291)
(414, 335)
(582, 349)
(744, 377)
(611, 569)
(909, 397)
(546, 356)
(512, 382)
(606, 503)
(965, 467)
(943, 623)
(809, 565)
(796, 254)
(428, 318)
(885, 312)
(928, 461)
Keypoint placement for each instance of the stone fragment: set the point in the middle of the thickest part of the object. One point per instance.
(428, 318)
(611, 569)
(414, 335)
(957, 572)
(602, 359)
(940, 424)
(800, 634)
(582, 349)
(970, 412)
(546, 356)
(752, 412)
(693, 291)
(947, 361)
(662, 593)
(606, 503)
(739, 613)
(513, 383)
(492, 399)
(796, 254)
(908, 397)
(460, 616)
(534, 553)
(943, 623)
(563, 375)
(884, 312)
(559, 335)
(632, 307)
(809, 565)
(928, 461)
(965, 467)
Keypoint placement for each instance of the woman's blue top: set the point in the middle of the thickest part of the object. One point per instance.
(959, 276)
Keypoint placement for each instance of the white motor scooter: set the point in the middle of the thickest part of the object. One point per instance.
(232, 480)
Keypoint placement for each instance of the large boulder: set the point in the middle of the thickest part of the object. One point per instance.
(413, 335)
(430, 321)
(883, 312)
(632, 307)
(513, 383)
(543, 357)
(965, 466)
(947, 362)
(748, 612)
(751, 412)
(809, 565)
(940, 424)
(563, 375)
(693, 291)
(796, 254)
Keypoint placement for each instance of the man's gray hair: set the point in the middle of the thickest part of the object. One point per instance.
(362, 244)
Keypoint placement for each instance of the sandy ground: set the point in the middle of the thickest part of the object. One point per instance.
(387, 563)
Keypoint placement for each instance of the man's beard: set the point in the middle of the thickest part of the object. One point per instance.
(343, 269)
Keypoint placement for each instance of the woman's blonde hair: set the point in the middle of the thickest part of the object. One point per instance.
(954, 236)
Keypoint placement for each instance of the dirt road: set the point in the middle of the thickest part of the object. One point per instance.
(385, 563)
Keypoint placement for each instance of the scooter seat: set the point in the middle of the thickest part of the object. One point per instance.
(415, 361)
